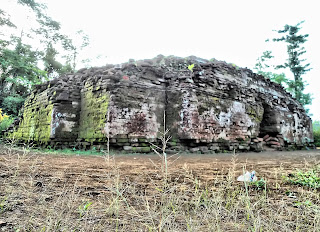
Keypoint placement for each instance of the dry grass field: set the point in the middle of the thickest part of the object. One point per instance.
(59, 192)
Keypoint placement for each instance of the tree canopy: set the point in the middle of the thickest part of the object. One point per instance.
(22, 65)
(295, 63)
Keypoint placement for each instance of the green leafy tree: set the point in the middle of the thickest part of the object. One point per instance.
(48, 32)
(52, 66)
(263, 65)
(262, 61)
(5, 19)
(18, 74)
(20, 62)
(81, 40)
(37, 7)
(295, 62)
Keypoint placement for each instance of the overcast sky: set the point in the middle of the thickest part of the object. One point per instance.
(234, 31)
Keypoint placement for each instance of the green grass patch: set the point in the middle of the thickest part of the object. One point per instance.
(309, 178)
(316, 133)
(69, 151)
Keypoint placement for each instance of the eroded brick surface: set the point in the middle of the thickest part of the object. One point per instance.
(213, 107)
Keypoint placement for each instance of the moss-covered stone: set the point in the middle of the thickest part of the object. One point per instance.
(172, 144)
(145, 149)
(93, 114)
(255, 112)
(122, 140)
(36, 120)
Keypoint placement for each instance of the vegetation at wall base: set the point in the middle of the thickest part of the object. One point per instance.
(316, 133)
(5, 121)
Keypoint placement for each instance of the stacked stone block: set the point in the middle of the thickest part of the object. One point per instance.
(36, 122)
(212, 108)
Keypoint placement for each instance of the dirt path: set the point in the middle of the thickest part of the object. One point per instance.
(205, 167)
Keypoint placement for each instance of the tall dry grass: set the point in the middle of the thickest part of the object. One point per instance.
(33, 199)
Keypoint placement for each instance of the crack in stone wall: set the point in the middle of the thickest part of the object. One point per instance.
(214, 107)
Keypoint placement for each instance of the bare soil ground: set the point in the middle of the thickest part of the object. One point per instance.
(43, 192)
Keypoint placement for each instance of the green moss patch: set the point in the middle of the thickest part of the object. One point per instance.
(36, 121)
(255, 112)
(93, 115)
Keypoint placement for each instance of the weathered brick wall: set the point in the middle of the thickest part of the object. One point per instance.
(66, 105)
(214, 107)
(228, 107)
(37, 117)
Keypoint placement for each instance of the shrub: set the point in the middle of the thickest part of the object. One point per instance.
(316, 133)
(317, 138)
(5, 121)
(12, 104)
(2, 116)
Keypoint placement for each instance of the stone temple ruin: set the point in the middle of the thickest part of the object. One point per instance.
(211, 107)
